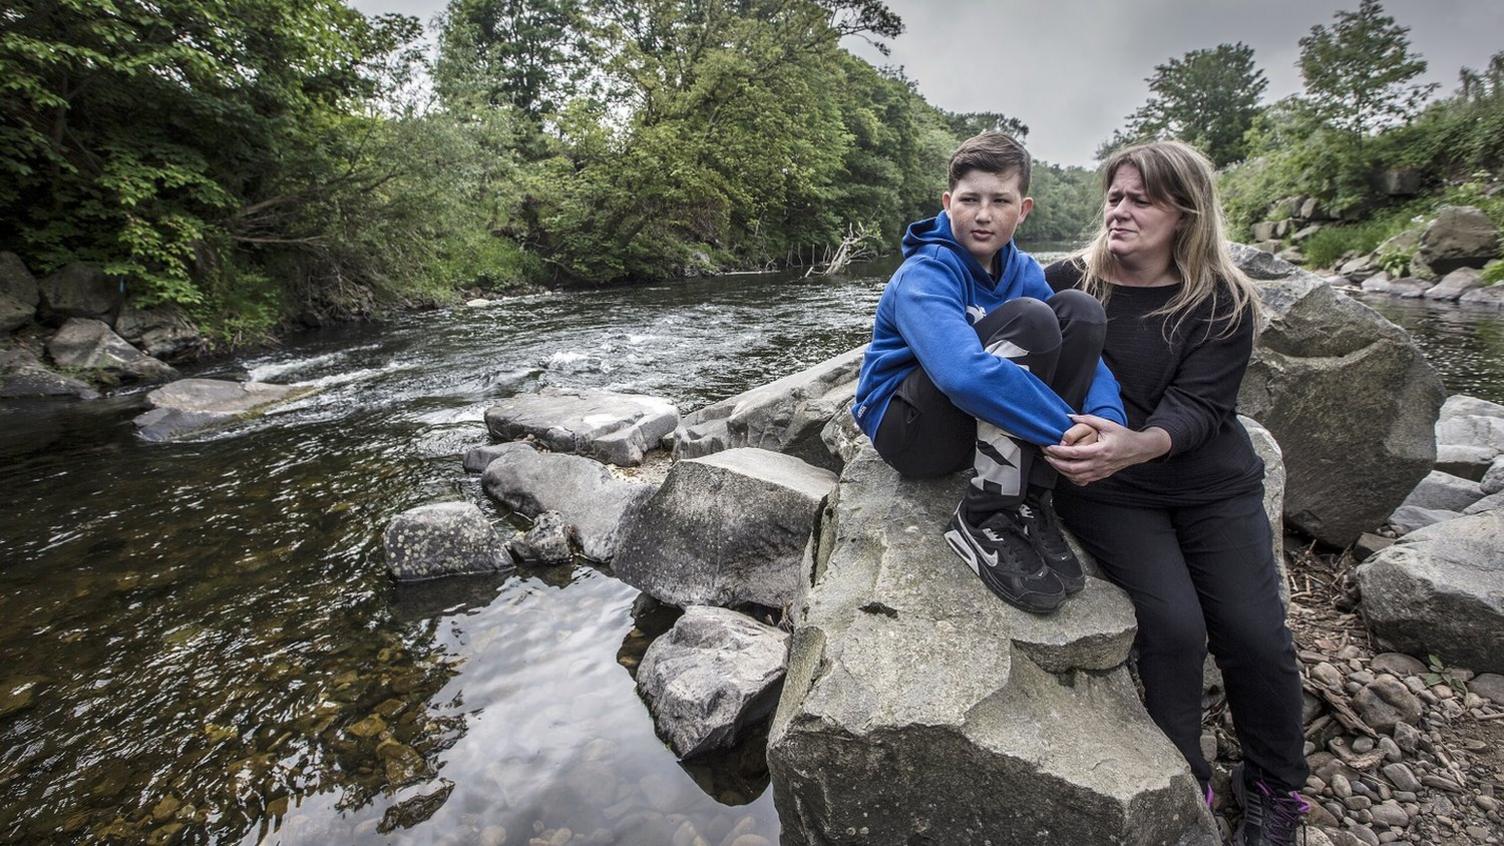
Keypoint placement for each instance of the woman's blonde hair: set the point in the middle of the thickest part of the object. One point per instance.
(1178, 176)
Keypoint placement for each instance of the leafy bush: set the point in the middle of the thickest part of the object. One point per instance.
(1493, 272)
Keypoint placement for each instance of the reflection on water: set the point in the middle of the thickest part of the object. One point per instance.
(1465, 344)
(198, 642)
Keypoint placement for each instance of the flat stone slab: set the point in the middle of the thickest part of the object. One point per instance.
(24, 376)
(1444, 491)
(915, 698)
(1439, 590)
(711, 677)
(726, 529)
(615, 428)
(194, 405)
(581, 489)
(442, 539)
(786, 415)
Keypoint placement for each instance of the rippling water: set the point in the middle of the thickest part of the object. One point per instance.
(198, 640)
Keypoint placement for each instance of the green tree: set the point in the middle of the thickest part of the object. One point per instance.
(1359, 72)
(967, 124)
(530, 54)
(1207, 98)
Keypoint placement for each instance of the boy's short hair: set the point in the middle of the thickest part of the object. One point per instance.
(993, 152)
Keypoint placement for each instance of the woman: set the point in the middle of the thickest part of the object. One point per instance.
(1171, 506)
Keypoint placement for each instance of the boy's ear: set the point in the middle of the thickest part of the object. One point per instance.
(945, 201)
(1025, 206)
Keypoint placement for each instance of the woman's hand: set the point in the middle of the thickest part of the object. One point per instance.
(1116, 447)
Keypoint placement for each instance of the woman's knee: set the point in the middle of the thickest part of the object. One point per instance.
(1166, 631)
(1075, 304)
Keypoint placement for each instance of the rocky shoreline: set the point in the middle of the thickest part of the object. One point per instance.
(907, 696)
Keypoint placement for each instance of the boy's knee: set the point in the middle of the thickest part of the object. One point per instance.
(1075, 304)
(1028, 323)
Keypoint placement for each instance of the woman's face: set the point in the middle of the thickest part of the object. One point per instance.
(1139, 231)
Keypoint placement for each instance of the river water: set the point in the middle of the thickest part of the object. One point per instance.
(198, 640)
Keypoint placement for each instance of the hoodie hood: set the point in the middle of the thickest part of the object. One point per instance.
(933, 236)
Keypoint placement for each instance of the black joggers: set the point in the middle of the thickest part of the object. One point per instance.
(922, 434)
(1204, 575)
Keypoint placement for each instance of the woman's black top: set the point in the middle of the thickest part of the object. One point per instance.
(1185, 383)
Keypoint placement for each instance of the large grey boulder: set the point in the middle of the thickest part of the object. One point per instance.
(80, 290)
(1440, 591)
(24, 376)
(188, 406)
(1453, 285)
(919, 708)
(1348, 395)
(18, 293)
(784, 416)
(442, 539)
(162, 332)
(615, 428)
(83, 344)
(581, 489)
(843, 439)
(1444, 491)
(1490, 297)
(1469, 435)
(711, 677)
(1460, 236)
(1274, 487)
(726, 529)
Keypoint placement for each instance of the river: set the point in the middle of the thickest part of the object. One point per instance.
(198, 640)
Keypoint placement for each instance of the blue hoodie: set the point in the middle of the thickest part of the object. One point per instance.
(925, 316)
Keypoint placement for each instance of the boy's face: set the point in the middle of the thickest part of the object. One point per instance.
(984, 210)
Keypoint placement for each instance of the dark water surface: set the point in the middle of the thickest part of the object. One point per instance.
(198, 640)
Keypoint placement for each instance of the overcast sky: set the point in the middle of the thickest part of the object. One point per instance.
(1072, 69)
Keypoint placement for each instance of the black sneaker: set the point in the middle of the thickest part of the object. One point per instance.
(1000, 552)
(1043, 528)
(1270, 816)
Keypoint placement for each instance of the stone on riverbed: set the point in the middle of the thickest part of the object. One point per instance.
(1349, 396)
(1439, 591)
(442, 539)
(915, 699)
(193, 405)
(84, 344)
(23, 375)
(714, 675)
(726, 529)
(18, 293)
(784, 416)
(549, 542)
(615, 428)
(581, 489)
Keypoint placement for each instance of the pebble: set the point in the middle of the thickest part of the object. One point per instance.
(1327, 674)
(1390, 813)
(1407, 737)
(1397, 664)
(1341, 787)
(1487, 803)
(1402, 777)
(1392, 751)
(1363, 745)
(1385, 702)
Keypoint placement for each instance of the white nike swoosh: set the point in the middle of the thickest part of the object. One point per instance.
(989, 557)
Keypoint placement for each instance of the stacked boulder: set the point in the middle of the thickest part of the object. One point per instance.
(919, 708)
(81, 321)
(1290, 222)
(1348, 395)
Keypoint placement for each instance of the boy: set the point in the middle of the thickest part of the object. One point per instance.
(974, 360)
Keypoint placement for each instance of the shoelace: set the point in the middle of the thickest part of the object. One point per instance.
(1287, 812)
(1045, 533)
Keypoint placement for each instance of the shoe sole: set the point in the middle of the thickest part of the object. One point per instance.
(964, 551)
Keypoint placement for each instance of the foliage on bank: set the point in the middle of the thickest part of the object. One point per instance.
(265, 161)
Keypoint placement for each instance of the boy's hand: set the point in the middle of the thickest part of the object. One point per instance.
(1079, 434)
